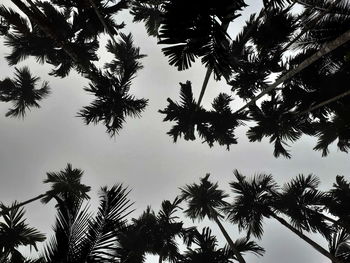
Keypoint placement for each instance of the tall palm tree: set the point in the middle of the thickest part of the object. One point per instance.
(64, 184)
(254, 200)
(22, 91)
(168, 229)
(205, 200)
(15, 232)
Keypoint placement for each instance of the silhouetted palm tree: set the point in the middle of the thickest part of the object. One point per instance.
(217, 125)
(113, 101)
(254, 200)
(81, 237)
(207, 250)
(66, 183)
(205, 200)
(22, 91)
(302, 202)
(337, 200)
(150, 12)
(14, 233)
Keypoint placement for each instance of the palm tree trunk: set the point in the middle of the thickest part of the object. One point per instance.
(306, 239)
(209, 71)
(100, 17)
(326, 48)
(229, 241)
(23, 203)
(346, 93)
(160, 258)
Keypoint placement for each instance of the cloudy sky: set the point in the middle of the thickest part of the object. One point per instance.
(142, 156)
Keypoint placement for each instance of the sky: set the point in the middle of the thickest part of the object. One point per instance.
(143, 157)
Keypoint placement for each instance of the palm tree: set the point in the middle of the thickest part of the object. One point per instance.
(275, 120)
(113, 101)
(81, 237)
(64, 184)
(168, 228)
(302, 202)
(207, 250)
(255, 200)
(15, 232)
(22, 92)
(217, 125)
(336, 202)
(204, 200)
(152, 233)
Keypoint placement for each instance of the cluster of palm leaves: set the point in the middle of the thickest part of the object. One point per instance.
(311, 97)
(73, 45)
(308, 96)
(109, 236)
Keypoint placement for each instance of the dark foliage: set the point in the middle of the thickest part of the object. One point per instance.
(22, 92)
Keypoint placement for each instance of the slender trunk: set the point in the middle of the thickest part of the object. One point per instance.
(229, 241)
(160, 258)
(346, 93)
(23, 203)
(88, 68)
(209, 71)
(306, 239)
(327, 48)
(204, 86)
(100, 17)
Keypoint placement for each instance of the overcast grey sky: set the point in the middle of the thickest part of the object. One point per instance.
(142, 156)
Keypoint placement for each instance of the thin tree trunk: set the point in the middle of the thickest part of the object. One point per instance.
(160, 258)
(23, 203)
(307, 239)
(229, 241)
(100, 17)
(346, 93)
(208, 73)
(327, 48)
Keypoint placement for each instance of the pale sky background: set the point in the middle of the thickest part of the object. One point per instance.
(143, 156)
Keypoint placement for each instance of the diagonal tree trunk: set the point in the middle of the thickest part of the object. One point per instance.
(23, 203)
(229, 240)
(346, 93)
(306, 239)
(326, 48)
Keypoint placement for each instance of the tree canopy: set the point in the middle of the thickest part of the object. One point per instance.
(288, 66)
